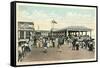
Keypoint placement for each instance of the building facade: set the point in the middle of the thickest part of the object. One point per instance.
(25, 31)
(72, 31)
(41, 33)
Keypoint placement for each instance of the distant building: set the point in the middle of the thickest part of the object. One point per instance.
(71, 30)
(25, 31)
(41, 33)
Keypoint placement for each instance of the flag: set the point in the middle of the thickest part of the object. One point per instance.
(53, 21)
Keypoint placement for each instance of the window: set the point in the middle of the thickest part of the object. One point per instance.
(21, 34)
(27, 34)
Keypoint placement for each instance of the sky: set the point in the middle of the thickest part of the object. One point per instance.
(42, 15)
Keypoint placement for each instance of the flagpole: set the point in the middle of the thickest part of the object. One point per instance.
(52, 26)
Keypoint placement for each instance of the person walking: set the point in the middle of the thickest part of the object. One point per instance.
(73, 44)
(91, 45)
(53, 42)
(59, 44)
(77, 45)
(45, 45)
(56, 42)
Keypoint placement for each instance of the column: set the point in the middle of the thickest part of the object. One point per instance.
(82, 33)
(90, 33)
(18, 34)
(75, 33)
(66, 33)
(24, 34)
(72, 33)
(30, 35)
(79, 33)
(86, 33)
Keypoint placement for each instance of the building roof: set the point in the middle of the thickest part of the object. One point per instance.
(22, 22)
(26, 25)
(78, 28)
(75, 28)
(42, 30)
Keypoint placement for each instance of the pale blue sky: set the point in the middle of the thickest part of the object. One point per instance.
(55, 12)
(42, 15)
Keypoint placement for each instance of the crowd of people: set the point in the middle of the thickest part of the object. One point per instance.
(46, 42)
(23, 48)
(82, 42)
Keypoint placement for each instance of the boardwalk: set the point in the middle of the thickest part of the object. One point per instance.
(54, 54)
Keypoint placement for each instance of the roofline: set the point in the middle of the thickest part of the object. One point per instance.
(26, 22)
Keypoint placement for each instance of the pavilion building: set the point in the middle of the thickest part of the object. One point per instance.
(72, 30)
